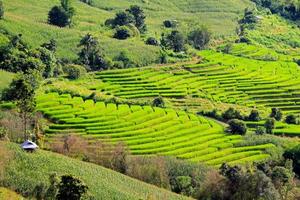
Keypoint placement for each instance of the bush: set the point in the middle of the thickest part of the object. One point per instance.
(254, 116)
(75, 71)
(159, 102)
(71, 188)
(237, 127)
(294, 155)
(291, 119)
(170, 23)
(276, 114)
(175, 41)
(270, 125)
(123, 60)
(259, 130)
(152, 41)
(122, 33)
(231, 113)
(199, 38)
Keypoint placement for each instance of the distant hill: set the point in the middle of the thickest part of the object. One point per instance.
(26, 170)
(29, 17)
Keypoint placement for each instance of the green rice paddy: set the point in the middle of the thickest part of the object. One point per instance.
(148, 130)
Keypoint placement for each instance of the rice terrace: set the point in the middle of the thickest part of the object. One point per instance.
(150, 99)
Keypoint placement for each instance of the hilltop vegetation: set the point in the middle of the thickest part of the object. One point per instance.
(30, 18)
(103, 183)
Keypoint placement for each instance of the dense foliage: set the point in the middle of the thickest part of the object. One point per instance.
(287, 9)
(61, 15)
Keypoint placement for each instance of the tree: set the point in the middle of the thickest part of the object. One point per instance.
(152, 41)
(291, 119)
(90, 55)
(124, 59)
(122, 33)
(123, 18)
(139, 17)
(276, 114)
(71, 188)
(49, 60)
(249, 17)
(259, 130)
(254, 116)
(199, 37)
(75, 71)
(270, 125)
(51, 46)
(237, 127)
(17, 57)
(158, 102)
(231, 113)
(61, 15)
(22, 91)
(294, 155)
(1, 10)
(175, 40)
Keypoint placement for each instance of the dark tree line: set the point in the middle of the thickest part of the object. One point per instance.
(287, 9)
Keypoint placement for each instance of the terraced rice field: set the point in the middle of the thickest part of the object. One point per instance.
(281, 129)
(220, 78)
(148, 130)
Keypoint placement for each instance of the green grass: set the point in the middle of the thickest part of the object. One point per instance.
(26, 170)
(29, 17)
(145, 130)
(6, 78)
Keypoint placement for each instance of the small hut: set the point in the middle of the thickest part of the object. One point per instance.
(29, 146)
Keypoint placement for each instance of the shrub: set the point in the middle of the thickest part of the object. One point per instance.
(158, 102)
(139, 17)
(122, 33)
(259, 130)
(1, 10)
(71, 188)
(152, 41)
(270, 125)
(199, 37)
(237, 127)
(75, 71)
(89, 2)
(231, 113)
(254, 116)
(175, 40)
(291, 119)
(294, 155)
(170, 23)
(151, 170)
(276, 114)
(123, 60)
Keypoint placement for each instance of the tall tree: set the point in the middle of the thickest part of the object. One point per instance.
(90, 54)
(199, 37)
(22, 90)
(61, 15)
(139, 17)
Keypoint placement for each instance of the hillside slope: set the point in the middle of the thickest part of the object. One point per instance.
(29, 17)
(26, 171)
